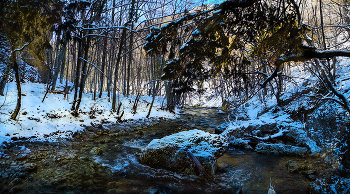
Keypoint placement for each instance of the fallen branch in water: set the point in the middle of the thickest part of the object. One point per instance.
(201, 169)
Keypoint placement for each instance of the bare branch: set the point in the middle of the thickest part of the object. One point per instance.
(20, 49)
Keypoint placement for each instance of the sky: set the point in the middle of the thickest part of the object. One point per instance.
(213, 1)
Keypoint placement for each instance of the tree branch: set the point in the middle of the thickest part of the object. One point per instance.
(311, 52)
(20, 49)
(307, 54)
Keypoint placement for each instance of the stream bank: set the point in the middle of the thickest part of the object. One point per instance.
(104, 159)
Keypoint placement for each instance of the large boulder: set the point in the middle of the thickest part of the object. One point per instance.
(175, 152)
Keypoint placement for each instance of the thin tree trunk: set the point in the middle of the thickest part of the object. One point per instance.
(131, 20)
(63, 63)
(18, 84)
(95, 84)
(152, 75)
(110, 68)
(322, 30)
(5, 76)
(103, 64)
(121, 45)
(77, 74)
(59, 63)
(169, 96)
(124, 73)
(84, 75)
(67, 73)
(155, 90)
(74, 61)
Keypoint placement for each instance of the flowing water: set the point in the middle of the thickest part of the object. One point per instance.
(100, 160)
(238, 169)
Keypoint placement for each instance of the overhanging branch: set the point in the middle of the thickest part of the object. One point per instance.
(307, 54)
(310, 53)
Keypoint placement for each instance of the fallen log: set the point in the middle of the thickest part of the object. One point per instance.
(208, 177)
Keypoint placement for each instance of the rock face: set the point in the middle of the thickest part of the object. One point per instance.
(171, 152)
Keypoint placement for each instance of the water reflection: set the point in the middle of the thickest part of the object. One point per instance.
(238, 169)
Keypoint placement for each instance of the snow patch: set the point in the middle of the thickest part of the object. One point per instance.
(52, 119)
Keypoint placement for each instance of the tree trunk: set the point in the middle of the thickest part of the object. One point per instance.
(95, 84)
(18, 84)
(124, 73)
(169, 96)
(83, 75)
(151, 76)
(110, 67)
(77, 74)
(155, 90)
(131, 21)
(121, 45)
(5, 76)
(63, 63)
(74, 61)
(103, 64)
(67, 73)
(59, 62)
(129, 66)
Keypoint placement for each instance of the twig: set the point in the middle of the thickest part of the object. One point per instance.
(98, 70)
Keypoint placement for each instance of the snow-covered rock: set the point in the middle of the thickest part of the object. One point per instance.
(278, 149)
(221, 112)
(171, 152)
(277, 137)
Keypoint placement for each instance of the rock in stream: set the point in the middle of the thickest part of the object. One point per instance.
(171, 152)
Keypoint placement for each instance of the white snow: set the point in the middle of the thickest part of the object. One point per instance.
(187, 139)
(34, 121)
(259, 111)
(208, 99)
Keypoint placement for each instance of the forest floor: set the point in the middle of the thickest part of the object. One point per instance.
(51, 119)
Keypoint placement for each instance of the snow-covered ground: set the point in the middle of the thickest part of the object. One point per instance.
(321, 129)
(209, 98)
(37, 120)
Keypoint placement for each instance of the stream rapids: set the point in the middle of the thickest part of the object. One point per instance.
(104, 159)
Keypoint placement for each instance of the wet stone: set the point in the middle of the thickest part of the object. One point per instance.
(294, 167)
(4, 175)
(114, 184)
(115, 191)
(311, 177)
(15, 181)
(29, 167)
(96, 151)
(281, 149)
(16, 189)
(21, 175)
(21, 157)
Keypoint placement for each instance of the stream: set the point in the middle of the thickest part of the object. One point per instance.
(104, 160)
